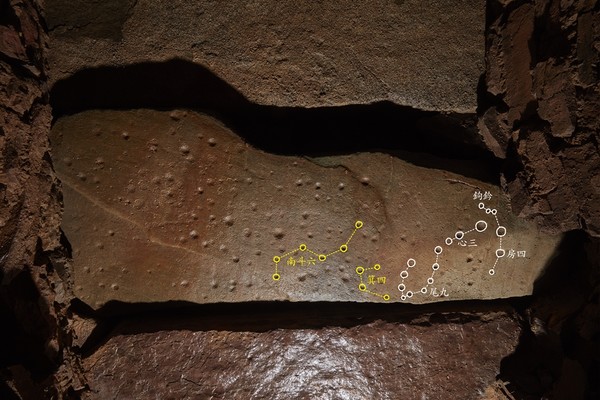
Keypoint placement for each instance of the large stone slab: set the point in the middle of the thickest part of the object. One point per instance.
(378, 360)
(427, 55)
(166, 206)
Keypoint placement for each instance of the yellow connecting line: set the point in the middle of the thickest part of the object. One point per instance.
(363, 287)
(320, 256)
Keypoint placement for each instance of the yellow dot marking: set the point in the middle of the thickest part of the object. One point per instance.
(375, 294)
(289, 253)
(351, 236)
(321, 256)
(363, 287)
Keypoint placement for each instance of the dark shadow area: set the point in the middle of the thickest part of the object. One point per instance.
(118, 318)
(6, 392)
(24, 329)
(560, 342)
(243, 316)
(381, 126)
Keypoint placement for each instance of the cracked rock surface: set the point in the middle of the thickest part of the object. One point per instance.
(542, 112)
(36, 360)
(436, 358)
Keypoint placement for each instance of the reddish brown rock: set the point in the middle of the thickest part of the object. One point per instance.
(510, 48)
(35, 358)
(543, 111)
(457, 358)
(29, 209)
(286, 53)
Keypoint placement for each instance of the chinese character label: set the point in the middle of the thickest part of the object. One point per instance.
(477, 195)
(434, 292)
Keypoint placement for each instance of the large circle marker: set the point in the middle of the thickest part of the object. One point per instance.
(500, 231)
(481, 226)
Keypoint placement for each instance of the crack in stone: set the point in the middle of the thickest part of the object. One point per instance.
(111, 211)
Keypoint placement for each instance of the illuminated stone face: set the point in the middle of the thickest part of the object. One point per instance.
(163, 206)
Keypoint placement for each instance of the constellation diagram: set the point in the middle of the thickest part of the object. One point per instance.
(459, 238)
(371, 279)
(307, 256)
